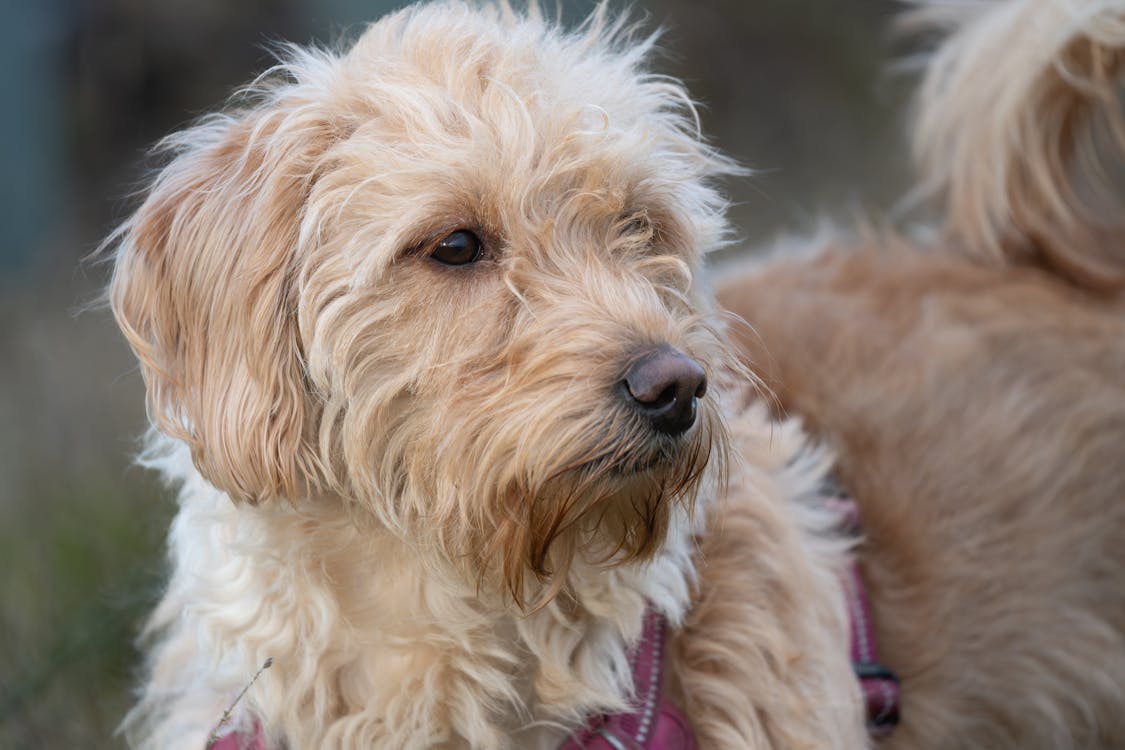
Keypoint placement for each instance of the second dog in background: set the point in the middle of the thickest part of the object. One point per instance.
(972, 384)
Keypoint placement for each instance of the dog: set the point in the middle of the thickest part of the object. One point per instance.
(969, 381)
(429, 354)
(458, 428)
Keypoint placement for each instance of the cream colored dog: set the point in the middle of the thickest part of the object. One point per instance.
(429, 356)
(425, 344)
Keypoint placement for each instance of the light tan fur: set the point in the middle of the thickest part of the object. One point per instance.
(1020, 132)
(973, 386)
(415, 487)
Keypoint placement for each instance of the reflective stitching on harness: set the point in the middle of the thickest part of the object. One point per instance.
(608, 736)
(653, 678)
(861, 626)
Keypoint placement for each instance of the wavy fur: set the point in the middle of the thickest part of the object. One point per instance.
(416, 487)
(970, 384)
(1020, 123)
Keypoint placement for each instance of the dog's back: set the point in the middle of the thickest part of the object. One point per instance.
(973, 386)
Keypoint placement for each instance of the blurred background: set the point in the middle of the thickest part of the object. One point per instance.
(798, 89)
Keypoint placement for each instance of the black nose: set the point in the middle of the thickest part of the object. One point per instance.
(663, 385)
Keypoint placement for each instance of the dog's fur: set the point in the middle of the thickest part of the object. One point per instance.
(973, 385)
(417, 489)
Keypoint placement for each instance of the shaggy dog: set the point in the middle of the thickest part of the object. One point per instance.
(430, 356)
(425, 343)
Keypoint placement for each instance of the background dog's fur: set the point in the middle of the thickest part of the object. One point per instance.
(973, 386)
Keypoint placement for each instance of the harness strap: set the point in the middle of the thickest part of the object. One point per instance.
(879, 685)
(654, 723)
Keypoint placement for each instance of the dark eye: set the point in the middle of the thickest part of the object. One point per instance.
(639, 226)
(458, 249)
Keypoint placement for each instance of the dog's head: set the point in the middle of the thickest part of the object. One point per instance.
(449, 276)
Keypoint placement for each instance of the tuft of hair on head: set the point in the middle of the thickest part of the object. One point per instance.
(1020, 132)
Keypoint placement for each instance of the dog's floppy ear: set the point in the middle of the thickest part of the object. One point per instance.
(1021, 132)
(203, 288)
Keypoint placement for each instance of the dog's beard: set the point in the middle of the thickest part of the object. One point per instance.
(604, 503)
(513, 502)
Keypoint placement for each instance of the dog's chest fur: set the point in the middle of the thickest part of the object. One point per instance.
(394, 646)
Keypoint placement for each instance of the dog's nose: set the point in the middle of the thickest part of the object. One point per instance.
(663, 385)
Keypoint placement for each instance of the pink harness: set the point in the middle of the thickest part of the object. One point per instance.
(656, 724)
(878, 683)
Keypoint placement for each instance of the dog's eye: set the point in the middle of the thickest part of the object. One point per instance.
(458, 249)
(639, 226)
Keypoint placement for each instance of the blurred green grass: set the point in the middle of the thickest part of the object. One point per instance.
(71, 618)
(793, 87)
(80, 529)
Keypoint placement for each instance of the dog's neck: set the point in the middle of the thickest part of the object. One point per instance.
(404, 644)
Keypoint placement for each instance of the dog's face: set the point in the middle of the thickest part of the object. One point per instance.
(448, 276)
